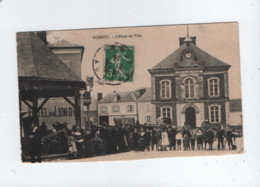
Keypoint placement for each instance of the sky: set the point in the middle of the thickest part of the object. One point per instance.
(153, 44)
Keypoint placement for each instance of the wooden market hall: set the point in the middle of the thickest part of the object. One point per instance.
(42, 75)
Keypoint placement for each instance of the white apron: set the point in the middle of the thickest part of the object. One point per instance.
(165, 140)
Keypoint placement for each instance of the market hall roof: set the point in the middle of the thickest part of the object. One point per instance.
(200, 59)
(35, 59)
(37, 64)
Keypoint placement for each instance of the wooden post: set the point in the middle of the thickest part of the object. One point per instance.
(35, 111)
(88, 110)
(77, 108)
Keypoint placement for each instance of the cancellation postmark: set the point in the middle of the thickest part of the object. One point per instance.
(113, 64)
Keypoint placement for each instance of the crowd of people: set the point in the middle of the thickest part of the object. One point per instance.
(105, 139)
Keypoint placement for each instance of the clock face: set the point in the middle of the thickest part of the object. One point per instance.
(188, 55)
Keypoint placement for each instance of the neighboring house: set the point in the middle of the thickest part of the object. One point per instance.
(118, 107)
(190, 86)
(235, 112)
(146, 109)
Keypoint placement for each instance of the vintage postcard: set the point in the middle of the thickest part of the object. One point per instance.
(130, 93)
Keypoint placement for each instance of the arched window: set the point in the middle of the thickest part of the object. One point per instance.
(189, 88)
(214, 113)
(166, 112)
(213, 87)
(165, 89)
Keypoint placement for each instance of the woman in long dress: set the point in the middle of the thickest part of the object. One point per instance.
(72, 146)
(165, 140)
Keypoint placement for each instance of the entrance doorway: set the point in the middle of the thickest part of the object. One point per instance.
(190, 117)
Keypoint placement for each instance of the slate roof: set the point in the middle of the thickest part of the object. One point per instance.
(147, 96)
(205, 59)
(235, 105)
(123, 97)
(36, 60)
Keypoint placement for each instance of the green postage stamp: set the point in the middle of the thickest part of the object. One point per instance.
(118, 64)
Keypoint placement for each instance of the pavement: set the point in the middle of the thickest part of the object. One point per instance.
(132, 155)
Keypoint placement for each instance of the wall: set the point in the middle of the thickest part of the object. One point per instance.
(56, 110)
(236, 118)
(143, 112)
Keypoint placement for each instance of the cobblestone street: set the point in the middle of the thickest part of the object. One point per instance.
(162, 154)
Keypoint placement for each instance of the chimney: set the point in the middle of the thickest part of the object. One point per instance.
(99, 96)
(42, 36)
(182, 40)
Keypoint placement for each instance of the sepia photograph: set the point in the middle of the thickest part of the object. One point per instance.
(130, 93)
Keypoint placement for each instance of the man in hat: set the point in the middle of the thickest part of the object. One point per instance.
(229, 136)
(172, 137)
(35, 142)
(220, 135)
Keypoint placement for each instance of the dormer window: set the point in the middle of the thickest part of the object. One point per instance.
(165, 89)
(213, 87)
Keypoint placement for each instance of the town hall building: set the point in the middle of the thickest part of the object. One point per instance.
(190, 86)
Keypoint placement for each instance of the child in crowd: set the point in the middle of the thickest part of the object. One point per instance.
(141, 139)
(178, 139)
(165, 140)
